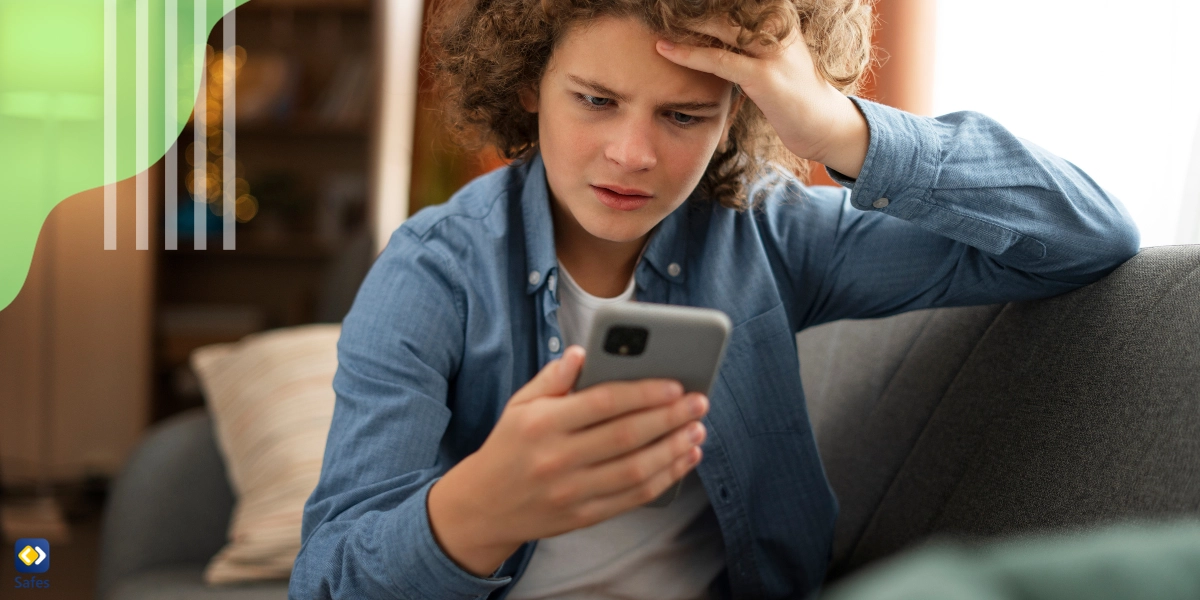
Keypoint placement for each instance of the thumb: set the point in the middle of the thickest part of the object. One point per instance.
(555, 379)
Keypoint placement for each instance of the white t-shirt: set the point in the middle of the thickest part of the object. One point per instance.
(668, 553)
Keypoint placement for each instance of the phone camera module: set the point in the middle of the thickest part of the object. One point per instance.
(626, 341)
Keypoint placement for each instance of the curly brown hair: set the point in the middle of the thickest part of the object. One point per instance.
(485, 51)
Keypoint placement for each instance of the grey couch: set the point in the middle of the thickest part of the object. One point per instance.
(985, 421)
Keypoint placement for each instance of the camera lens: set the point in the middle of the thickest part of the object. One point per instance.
(626, 341)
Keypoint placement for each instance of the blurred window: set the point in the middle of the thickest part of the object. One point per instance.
(1113, 88)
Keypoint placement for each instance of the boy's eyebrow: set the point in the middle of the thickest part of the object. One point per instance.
(608, 93)
(599, 89)
(690, 106)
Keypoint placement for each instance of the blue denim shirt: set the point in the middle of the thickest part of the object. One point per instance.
(459, 311)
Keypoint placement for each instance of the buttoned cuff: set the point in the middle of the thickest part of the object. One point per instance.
(420, 567)
(901, 163)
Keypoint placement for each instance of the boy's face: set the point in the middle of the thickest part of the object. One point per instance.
(625, 134)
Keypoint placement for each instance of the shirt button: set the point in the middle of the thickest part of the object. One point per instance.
(674, 269)
(554, 344)
(550, 281)
(534, 277)
(880, 203)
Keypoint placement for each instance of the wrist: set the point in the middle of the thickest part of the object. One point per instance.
(462, 529)
(847, 147)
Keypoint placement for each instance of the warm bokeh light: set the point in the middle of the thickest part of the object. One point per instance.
(246, 208)
(246, 205)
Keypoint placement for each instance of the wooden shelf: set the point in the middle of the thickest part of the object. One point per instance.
(362, 6)
(302, 129)
(299, 128)
(251, 244)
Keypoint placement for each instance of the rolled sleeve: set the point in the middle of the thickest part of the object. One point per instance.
(429, 572)
(965, 177)
(946, 211)
(902, 159)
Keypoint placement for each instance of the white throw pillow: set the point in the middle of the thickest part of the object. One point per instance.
(271, 399)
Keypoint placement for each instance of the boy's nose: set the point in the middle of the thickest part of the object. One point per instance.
(632, 147)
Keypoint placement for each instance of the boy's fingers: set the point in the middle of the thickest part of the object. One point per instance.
(615, 476)
(620, 436)
(609, 506)
(555, 379)
(720, 29)
(722, 63)
(610, 400)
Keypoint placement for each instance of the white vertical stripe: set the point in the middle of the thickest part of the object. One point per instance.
(110, 124)
(397, 102)
(171, 124)
(200, 129)
(1189, 216)
(142, 129)
(228, 121)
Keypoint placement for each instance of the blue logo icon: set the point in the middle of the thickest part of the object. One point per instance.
(32, 555)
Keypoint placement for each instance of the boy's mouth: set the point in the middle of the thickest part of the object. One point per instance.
(621, 198)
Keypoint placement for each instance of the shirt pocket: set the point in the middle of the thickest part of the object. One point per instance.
(761, 372)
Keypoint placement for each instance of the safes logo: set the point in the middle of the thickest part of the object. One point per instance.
(33, 555)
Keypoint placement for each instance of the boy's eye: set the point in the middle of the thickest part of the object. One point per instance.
(594, 101)
(683, 119)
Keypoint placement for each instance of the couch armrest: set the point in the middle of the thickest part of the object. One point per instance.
(169, 505)
(1058, 414)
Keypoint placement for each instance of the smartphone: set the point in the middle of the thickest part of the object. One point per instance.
(641, 340)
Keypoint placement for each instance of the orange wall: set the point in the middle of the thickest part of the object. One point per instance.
(903, 73)
(905, 42)
(75, 347)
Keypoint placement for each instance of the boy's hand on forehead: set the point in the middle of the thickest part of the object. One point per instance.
(813, 119)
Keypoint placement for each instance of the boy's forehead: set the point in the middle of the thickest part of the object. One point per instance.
(620, 54)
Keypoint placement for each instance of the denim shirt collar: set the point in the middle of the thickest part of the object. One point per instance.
(540, 257)
(667, 245)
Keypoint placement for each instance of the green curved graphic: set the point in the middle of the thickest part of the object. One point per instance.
(52, 60)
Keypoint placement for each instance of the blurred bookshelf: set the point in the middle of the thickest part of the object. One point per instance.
(307, 91)
(307, 81)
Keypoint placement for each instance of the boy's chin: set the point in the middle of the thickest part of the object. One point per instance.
(631, 230)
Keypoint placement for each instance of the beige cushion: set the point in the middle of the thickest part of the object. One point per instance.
(271, 399)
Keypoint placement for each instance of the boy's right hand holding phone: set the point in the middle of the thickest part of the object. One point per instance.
(558, 461)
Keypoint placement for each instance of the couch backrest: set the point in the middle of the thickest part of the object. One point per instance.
(170, 505)
(984, 421)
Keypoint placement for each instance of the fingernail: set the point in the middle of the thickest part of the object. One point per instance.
(697, 405)
(665, 45)
(674, 388)
(695, 433)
